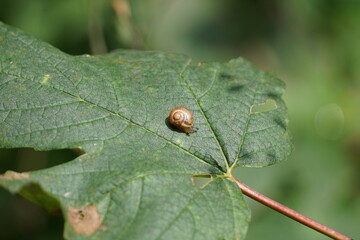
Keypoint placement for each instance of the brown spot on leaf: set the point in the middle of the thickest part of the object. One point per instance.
(11, 175)
(199, 64)
(84, 220)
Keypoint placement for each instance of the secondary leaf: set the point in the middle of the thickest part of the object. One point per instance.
(134, 180)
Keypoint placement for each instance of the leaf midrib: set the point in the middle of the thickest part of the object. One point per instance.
(226, 160)
(242, 140)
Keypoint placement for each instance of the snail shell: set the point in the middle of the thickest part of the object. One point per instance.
(182, 119)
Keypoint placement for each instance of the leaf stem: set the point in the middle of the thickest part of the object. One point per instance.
(290, 213)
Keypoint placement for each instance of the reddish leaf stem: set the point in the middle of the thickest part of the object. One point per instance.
(290, 213)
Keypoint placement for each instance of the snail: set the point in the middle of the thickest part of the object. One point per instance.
(182, 119)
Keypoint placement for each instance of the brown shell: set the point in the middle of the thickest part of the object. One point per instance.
(182, 119)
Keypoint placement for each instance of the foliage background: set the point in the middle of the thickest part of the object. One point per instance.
(313, 45)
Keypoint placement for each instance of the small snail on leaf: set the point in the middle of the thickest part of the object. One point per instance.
(182, 119)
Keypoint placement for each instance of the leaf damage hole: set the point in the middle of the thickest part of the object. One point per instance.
(201, 180)
(84, 220)
(268, 105)
(28, 159)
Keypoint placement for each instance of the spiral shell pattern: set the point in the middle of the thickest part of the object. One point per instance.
(182, 119)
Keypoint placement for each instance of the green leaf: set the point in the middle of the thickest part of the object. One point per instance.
(135, 179)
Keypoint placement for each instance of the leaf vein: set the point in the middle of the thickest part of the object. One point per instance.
(186, 207)
(131, 222)
(40, 107)
(242, 141)
(211, 84)
(236, 231)
(57, 128)
(203, 113)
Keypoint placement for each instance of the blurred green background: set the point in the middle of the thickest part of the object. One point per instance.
(313, 45)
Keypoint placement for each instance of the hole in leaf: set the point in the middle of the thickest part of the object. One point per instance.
(23, 218)
(201, 180)
(27, 159)
(266, 106)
